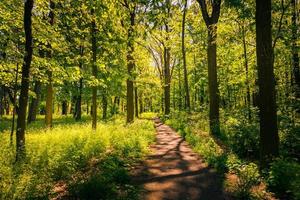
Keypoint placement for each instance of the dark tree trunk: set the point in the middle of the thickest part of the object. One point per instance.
(295, 54)
(33, 107)
(248, 98)
(211, 23)
(104, 106)
(167, 80)
(180, 90)
(94, 89)
(267, 99)
(186, 83)
(23, 100)
(136, 102)
(130, 67)
(64, 109)
(141, 103)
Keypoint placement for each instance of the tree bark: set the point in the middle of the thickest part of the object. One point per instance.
(211, 23)
(130, 67)
(23, 100)
(49, 95)
(186, 83)
(64, 105)
(94, 89)
(136, 102)
(295, 54)
(104, 107)
(248, 98)
(33, 107)
(269, 140)
(167, 79)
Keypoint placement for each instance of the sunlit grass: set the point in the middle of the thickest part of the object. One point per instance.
(57, 154)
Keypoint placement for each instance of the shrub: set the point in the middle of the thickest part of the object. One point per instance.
(284, 178)
(248, 176)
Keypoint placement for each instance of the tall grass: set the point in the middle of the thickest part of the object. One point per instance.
(61, 153)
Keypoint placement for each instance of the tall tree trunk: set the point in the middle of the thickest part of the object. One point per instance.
(14, 105)
(23, 100)
(295, 54)
(211, 23)
(136, 102)
(130, 67)
(213, 80)
(33, 107)
(186, 83)
(269, 140)
(167, 86)
(49, 95)
(248, 98)
(94, 89)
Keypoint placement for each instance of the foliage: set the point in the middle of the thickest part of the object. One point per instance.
(284, 178)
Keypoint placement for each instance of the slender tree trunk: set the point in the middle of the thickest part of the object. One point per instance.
(247, 72)
(14, 105)
(94, 89)
(186, 83)
(141, 103)
(23, 100)
(269, 140)
(49, 95)
(167, 80)
(136, 102)
(104, 106)
(180, 90)
(49, 101)
(79, 97)
(130, 67)
(33, 107)
(295, 53)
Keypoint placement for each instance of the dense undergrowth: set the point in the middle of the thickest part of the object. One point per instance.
(92, 164)
(236, 150)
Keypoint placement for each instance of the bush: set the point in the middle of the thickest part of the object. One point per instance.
(248, 176)
(243, 138)
(284, 178)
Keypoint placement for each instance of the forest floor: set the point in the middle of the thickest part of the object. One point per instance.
(174, 171)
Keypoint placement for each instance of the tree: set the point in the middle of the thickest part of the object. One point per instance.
(49, 87)
(94, 69)
(21, 122)
(186, 84)
(211, 23)
(269, 140)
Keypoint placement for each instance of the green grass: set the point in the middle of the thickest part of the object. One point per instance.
(93, 163)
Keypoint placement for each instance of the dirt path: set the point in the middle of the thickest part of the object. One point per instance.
(173, 171)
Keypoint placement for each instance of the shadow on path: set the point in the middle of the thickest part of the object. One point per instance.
(173, 171)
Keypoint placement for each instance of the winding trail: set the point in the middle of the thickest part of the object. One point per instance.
(173, 171)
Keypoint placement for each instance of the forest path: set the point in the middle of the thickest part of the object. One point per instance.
(173, 171)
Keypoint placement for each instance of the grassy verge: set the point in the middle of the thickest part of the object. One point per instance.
(242, 177)
(73, 158)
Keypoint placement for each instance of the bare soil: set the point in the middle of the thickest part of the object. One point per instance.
(173, 171)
